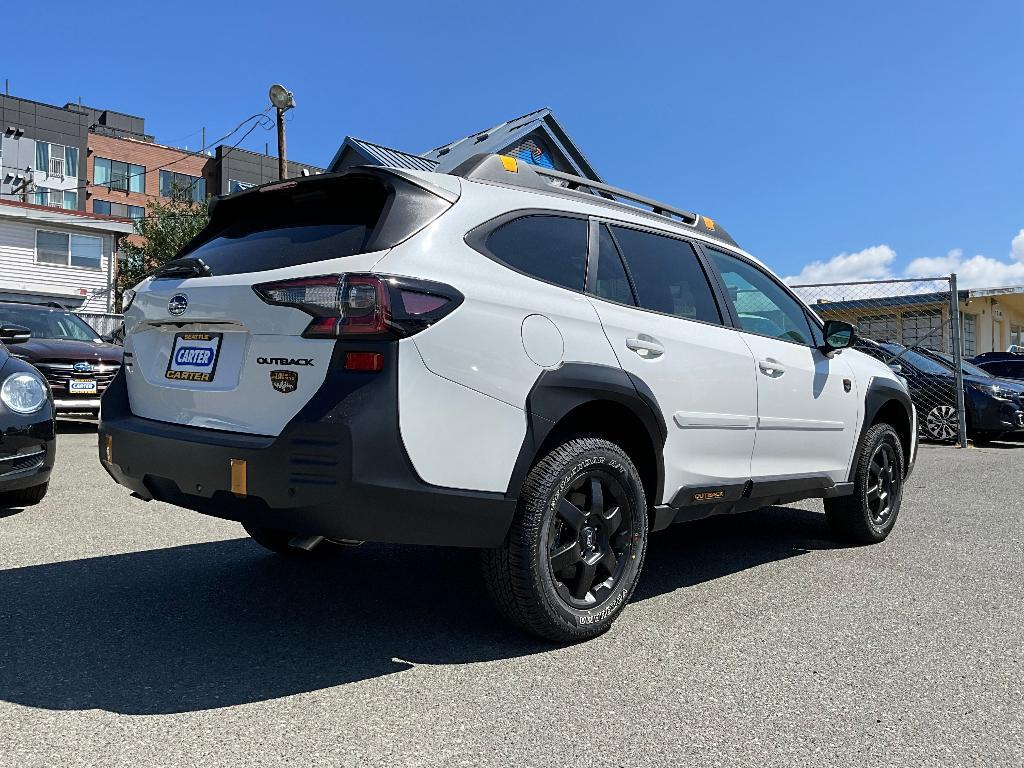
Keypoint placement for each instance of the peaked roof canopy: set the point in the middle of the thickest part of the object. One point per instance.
(536, 138)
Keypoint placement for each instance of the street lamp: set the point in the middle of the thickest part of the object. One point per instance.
(283, 100)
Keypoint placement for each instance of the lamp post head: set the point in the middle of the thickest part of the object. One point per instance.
(281, 97)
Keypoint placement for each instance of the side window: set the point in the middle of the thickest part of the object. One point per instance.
(667, 276)
(762, 305)
(550, 248)
(612, 282)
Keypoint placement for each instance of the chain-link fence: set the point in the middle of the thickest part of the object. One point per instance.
(915, 326)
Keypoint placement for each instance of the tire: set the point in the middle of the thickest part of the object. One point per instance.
(23, 497)
(582, 514)
(869, 514)
(274, 540)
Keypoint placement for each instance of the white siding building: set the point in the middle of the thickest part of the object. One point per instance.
(53, 255)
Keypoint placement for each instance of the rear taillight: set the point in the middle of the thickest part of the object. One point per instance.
(364, 306)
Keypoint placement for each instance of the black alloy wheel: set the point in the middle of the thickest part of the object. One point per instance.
(589, 539)
(884, 478)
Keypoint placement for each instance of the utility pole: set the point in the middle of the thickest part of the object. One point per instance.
(283, 100)
(282, 151)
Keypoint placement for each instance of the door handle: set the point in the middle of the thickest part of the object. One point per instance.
(771, 367)
(645, 346)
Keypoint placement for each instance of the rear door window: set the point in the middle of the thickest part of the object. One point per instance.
(550, 248)
(667, 275)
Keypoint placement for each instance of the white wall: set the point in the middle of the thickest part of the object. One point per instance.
(20, 273)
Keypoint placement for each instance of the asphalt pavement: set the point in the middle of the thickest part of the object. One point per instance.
(138, 634)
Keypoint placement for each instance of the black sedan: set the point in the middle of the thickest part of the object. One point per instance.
(28, 440)
(993, 406)
(1005, 365)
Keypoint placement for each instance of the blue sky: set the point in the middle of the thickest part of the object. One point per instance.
(886, 134)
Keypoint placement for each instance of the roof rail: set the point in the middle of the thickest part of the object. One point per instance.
(508, 170)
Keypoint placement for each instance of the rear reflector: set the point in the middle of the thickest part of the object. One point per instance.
(238, 478)
(364, 361)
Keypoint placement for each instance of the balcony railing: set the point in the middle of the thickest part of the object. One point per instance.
(57, 166)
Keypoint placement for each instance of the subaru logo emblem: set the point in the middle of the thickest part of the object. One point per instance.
(83, 367)
(178, 304)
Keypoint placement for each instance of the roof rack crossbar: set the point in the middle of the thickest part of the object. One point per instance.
(579, 183)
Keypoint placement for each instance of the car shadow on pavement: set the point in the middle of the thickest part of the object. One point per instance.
(225, 623)
(693, 553)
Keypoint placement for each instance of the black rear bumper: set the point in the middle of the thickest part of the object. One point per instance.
(338, 469)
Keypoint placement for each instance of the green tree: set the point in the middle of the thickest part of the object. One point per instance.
(158, 238)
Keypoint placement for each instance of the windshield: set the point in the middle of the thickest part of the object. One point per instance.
(48, 324)
(923, 363)
(969, 368)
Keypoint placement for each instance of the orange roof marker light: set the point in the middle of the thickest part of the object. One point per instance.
(709, 224)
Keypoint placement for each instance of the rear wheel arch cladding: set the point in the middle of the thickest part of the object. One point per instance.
(558, 392)
(542, 341)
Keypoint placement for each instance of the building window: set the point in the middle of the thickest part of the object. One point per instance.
(115, 174)
(923, 329)
(234, 185)
(180, 186)
(878, 327)
(57, 198)
(69, 250)
(56, 159)
(970, 326)
(107, 208)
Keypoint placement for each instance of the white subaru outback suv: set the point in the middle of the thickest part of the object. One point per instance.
(505, 357)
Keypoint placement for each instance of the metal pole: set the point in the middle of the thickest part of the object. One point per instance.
(282, 154)
(958, 371)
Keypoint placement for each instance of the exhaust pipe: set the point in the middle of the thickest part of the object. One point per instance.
(305, 542)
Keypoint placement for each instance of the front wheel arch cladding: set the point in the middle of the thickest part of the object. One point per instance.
(558, 392)
(883, 395)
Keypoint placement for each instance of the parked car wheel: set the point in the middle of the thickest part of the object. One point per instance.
(942, 423)
(868, 515)
(576, 547)
(23, 497)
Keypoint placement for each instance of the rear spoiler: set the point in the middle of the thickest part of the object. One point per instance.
(425, 201)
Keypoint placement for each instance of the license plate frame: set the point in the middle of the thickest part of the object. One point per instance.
(187, 363)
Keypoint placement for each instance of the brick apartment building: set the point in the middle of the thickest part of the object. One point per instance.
(97, 166)
(126, 174)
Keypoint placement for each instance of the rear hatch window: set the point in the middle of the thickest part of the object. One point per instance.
(312, 219)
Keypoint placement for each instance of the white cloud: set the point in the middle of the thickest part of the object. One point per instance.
(876, 263)
(1017, 246)
(872, 263)
(976, 272)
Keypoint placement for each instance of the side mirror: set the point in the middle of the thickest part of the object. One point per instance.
(838, 335)
(14, 334)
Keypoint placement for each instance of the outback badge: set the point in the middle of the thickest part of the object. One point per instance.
(284, 381)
